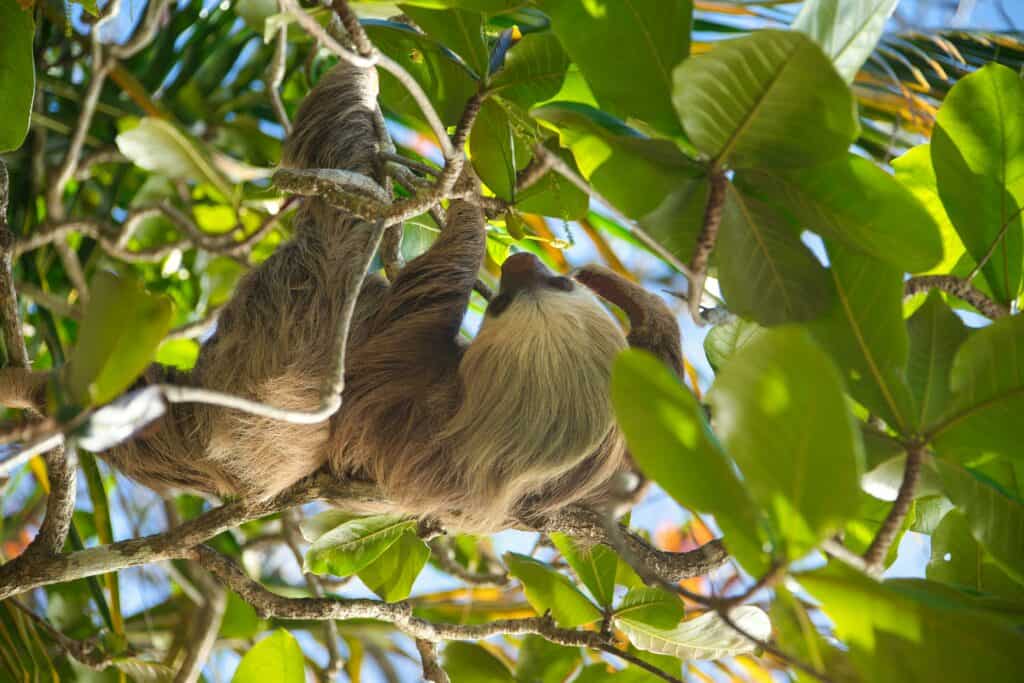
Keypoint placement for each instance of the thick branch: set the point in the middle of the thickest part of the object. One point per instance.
(874, 556)
(961, 289)
(706, 243)
(432, 670)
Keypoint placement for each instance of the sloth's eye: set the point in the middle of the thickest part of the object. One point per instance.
(562, 283)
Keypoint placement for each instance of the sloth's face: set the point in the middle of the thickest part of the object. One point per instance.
(523, 274)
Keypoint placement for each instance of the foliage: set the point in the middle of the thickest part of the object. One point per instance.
(841, 411)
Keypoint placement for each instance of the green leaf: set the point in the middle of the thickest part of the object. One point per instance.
(471, 663)
(534, 70)
(724, 340)
(553, 195)
(122, 327)
(935, 335)
(546, 590)
(633, 173)
(448, 83)
(988, 386)
(240, 619)
(959, 560)
(864, 332)
(392, 575)
(915, 172)
(780, 410)
(541, 661)
(770, 99)
(634, 82)
(831, 200)
(319, 524)
(651, 606)
(595, 566)
(706, 637)
(158, 146)
(995, 519)
(672, 445)
(901, 631)
(178, 353)
(676, 223)
(978, 153)
(766, 273)
(275, 658)
(354, 545)
(494, 150)
(17, 74)
(461, 31)
(847, 31)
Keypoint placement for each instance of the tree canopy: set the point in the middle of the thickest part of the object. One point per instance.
(833, 204)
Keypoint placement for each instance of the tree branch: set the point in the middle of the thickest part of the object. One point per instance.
(961, 289)
(874, 556)
(432, 670)
(706, 242)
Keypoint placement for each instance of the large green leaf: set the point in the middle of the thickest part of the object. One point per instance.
(676, 223)
(865, 333)
(277, 657)
(779, 408)
(534, 70)
(355, 544)
(988, 386)
(959, 560)
(935, 335)
(995, 518)
(546, 589)
(706, 637)
(392, 575)
(448, 84)
(978, 152)
(633, 173)
(901, 631)
(17, 73)
(854, 201)
(633, 81)
(847, 31)
(672, 445)
(471, 663)
(915, 172)
(541, 661)
(766, 273)
(595, 566)
(157, 145)
(119, 335)
(461, 31)
(770, 99)
(553, 195)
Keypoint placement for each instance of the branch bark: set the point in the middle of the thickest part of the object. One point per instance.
(961, 289)
(874, 556)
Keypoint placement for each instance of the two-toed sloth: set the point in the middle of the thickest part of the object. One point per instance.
(517, 422)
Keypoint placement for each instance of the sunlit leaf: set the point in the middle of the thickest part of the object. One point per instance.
(936, 334)
(847, 31)
(595, 566)
(634, 82)
(534, 70)
(546, 590)
(392, 575)
(915, 172)
(462, 31)
(348, 548)
(724, 340)
(770, 99)
(470, 663)
(959, 560)
(157, 145)
(541, 661)
(978, 152)
(275, 658)
(779, 408)
(651, 606)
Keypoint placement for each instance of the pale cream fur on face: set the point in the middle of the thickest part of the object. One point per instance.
(535, 395)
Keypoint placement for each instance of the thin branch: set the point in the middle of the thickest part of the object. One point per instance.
(355, 30)
(275, 76)
(706, 242)
(445, 557)
(88, 652)
(195, 329)
(874, 556)
(995, 244)
(961, 289)
(145, 32)
(313, 28)
(203, 629)
(14, 341)
(48, 300)
(432, 670)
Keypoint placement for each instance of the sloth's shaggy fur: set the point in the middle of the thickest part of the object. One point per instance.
(517, 422)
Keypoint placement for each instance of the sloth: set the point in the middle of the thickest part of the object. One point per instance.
(518, 422)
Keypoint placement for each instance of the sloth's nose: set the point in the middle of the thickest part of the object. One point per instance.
(522, 271)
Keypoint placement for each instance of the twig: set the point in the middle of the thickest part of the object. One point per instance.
(355, 30)
(51, 301)
(961, 289)
(143, 34)
(275, 76)
(874, 556)
(445, 557)
(88, 652)
(706, 242)
(432, 670)
(313, 28)
(203, 629)
(995, 244)
(195, 329)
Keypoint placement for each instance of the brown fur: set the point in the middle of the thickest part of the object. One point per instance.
(519, 423)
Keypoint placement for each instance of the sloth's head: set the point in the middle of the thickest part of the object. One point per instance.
(535, 399)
